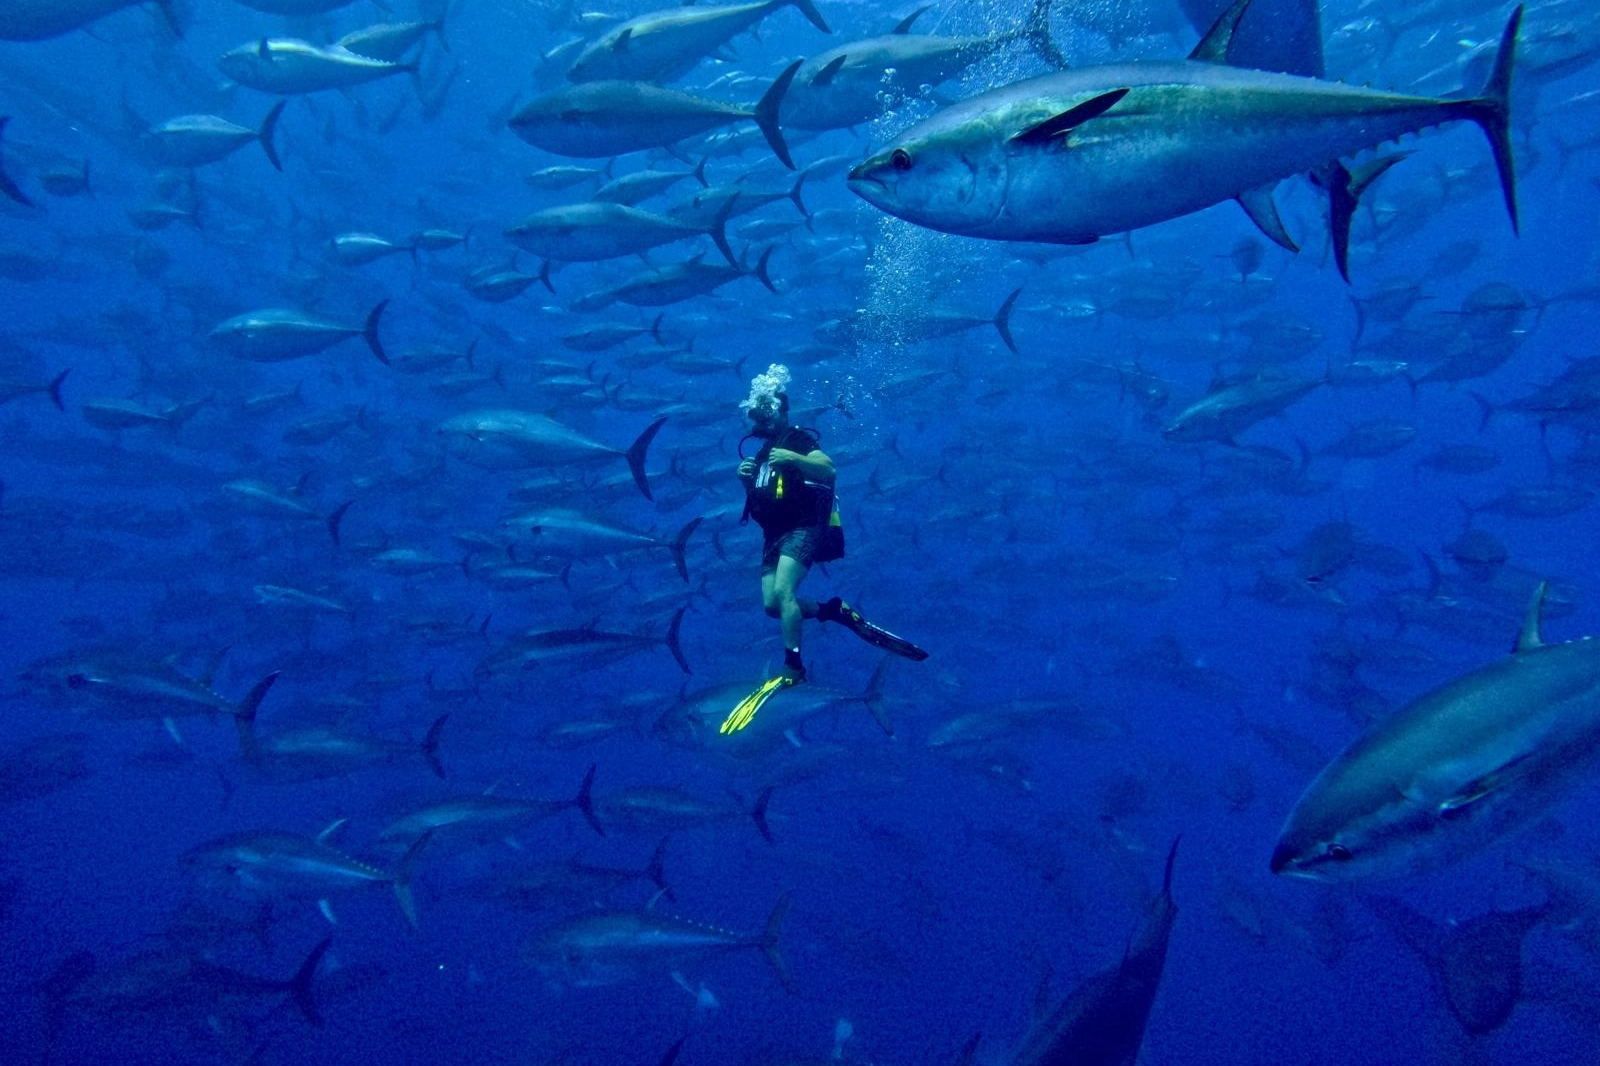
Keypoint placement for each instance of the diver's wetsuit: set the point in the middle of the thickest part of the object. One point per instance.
(791, 510)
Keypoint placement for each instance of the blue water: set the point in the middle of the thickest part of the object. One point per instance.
(1020, 516)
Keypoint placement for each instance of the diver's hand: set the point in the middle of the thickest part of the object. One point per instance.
(747, 469)
(783, 457)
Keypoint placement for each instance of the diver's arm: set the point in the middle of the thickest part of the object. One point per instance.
(815, 464)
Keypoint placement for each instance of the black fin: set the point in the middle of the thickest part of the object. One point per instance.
(369, 332)
(637, 451)
(1213, 47)
(766, 113)
(584, 801)
(1002, 320)
(300, 989)
(672, 637)
(1492, 112)
(8, 186)
(759, 813)
(1263, 211)
(430, 745)
(1065, 122)
(269, 126)
(822, 77)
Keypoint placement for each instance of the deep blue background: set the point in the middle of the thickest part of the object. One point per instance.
(990, 513)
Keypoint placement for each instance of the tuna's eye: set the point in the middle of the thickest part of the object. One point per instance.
(900, 159)
(1339, 853)
(77, 681)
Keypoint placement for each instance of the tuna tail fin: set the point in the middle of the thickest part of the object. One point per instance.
(656, 871)
(766, 114)
(1492, 112)
(584, 801)
(369, 332)
(171, 15)
(402, 878)
(55, 389)
(336, 519)
(10, 188)
(873, 697)
(794, 194)
(269, 127)
(761, 270)
(769, 942)
(758, 813)
(969, 1050)
(809, 10)
(299, 988)
(680, 542)
(1037, 31)
(430, 745)
(673, 644)
(636, 454)
(1002, 320)
(247, 707)
(719, 230)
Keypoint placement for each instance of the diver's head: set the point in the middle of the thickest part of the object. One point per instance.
(768, 405)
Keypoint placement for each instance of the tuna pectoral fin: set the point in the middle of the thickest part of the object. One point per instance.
(1259, 205)
(766, 114)
(246, 708)
(638, 450)
(759, 814)
(769, 943)
(1061, 124)
(300, 984)
(1492, 112)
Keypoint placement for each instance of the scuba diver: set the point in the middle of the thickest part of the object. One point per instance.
(789, 492)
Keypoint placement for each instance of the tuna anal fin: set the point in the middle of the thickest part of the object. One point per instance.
(1259, 205)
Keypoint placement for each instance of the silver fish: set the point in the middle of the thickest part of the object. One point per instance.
(665, 45)
(195, 140)
(519, 440)
(604, 118)
(288, 66)
(38, 20)
(1453, 770)
(1071, 157)
(277, 334)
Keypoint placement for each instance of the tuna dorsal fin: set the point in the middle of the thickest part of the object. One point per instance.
(1263, 211)
(623, 38)
(904, 25)
(1529, 638)
(826, 75)
(1060, 125)
(1213, 47)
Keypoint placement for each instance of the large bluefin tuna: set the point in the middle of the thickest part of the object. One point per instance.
(1455, 769)
(289, 67)
(1071, 157)
(38, 20)
(663, 45)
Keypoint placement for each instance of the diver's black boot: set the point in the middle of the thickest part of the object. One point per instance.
(794, 671)
(836, 610)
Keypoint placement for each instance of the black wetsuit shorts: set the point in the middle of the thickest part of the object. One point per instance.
(799, 544)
